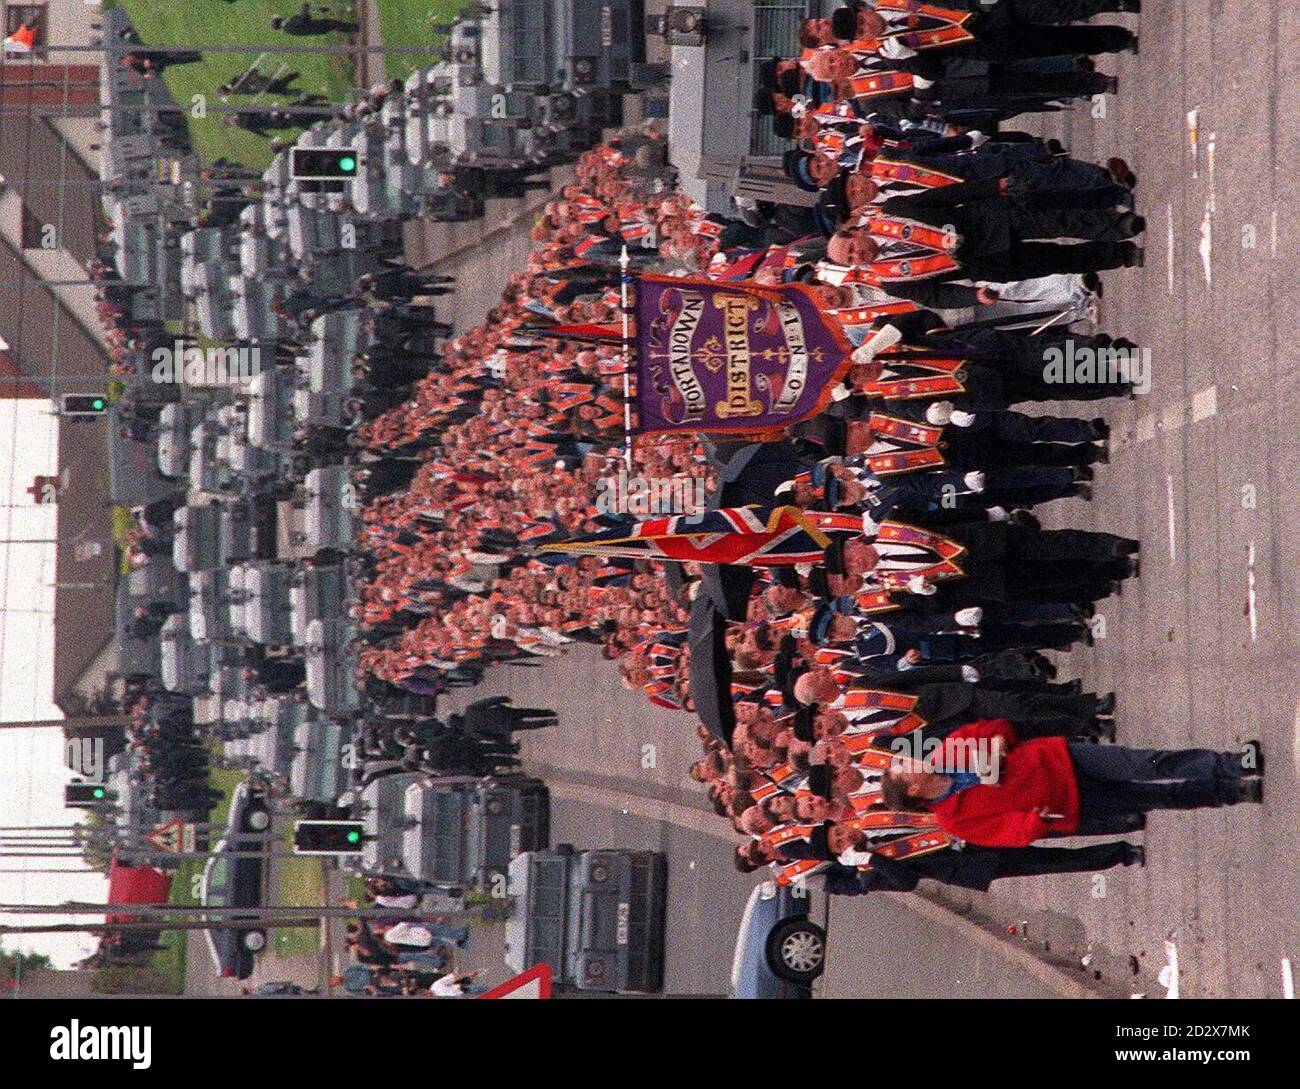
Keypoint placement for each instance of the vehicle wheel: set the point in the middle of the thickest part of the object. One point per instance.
(599, 873)
(259, 820)
(254, 940)
(796, 951)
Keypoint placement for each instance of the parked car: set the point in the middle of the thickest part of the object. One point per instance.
(461, 830)
(780, 952)
(233, 879)
(596, 917)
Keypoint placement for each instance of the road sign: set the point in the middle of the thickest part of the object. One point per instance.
(173, 837)
(534, 983)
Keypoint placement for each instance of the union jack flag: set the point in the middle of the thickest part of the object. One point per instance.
(747, 536)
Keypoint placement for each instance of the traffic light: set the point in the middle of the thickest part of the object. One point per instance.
(84, 404)
(79, 795)
(322, 164)
(327, 837)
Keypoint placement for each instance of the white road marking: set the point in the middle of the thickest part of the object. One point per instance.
(1288, 981)
(1272, 246)
(1205, 403)
(1169, 246)
(1193, 139)
(1169, 495)
(1295, 740)
(1206, 248)
(1168, 976)
(1146, 427)
(1250, 591)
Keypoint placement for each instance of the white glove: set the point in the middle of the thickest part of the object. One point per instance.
(977, 138)
(969, 617)
(918, 585)
(922, 84)
(877, 342)
(998, 514)
(939, 413)
(961, 419)
(974, 481)
(970, 673)
(894, 49)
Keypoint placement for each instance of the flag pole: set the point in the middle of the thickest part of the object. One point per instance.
(624, 261)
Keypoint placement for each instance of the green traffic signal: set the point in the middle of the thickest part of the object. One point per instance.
(354, 837)
(98, 792)
(347, 164)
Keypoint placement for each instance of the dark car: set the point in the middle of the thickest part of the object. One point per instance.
(233, 878)
(780, 952)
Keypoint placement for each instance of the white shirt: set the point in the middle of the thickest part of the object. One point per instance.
(411, 934)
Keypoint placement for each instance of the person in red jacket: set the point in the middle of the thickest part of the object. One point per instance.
(988, 787)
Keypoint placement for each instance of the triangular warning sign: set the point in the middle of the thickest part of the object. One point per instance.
(534, 983)
(166, 837)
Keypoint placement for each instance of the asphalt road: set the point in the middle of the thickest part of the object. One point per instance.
(616, 768)
(1201, 649)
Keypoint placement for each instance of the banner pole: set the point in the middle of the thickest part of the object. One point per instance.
(624, 261)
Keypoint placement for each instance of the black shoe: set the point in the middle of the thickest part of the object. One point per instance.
(1105, 729)
(1086, 611)
(1103, 452)
(1134, 856)
(1100, 428)
(1106, 705)
(1093, 283)
(1111, 85)
(1132, 225)
(1083, 472)
(1134, 6)
(1134, 567)
(1133, 256)
(1025, 518)
(1127, 547)
(1075, 686)
(1083, 490)
(1132, 46)
(1252, 759)
(1251, 790)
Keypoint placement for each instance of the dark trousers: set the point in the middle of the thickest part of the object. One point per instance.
(1034, 861)
(1027, 260)
(1057, 713)
(1059, 11)
(1024, 40)
(1114, 780)
(1088, 224)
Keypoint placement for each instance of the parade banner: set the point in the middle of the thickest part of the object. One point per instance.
(736, 358)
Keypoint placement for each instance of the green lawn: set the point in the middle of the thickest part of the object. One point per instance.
(185, 886)
(411, 22)
(301, 883)
(198, 22)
